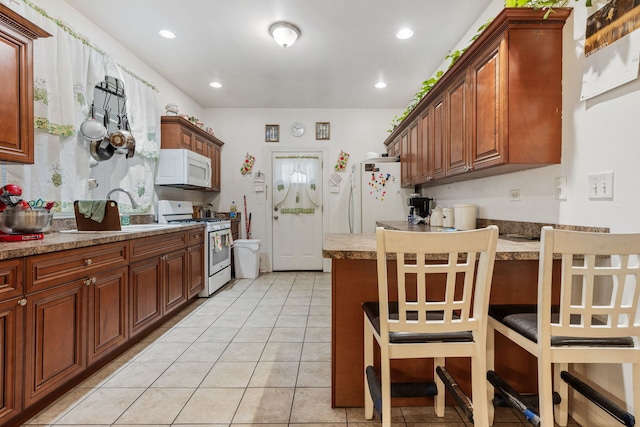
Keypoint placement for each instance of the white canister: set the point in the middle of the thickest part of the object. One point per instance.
(436, 216)
(465, 217)
(447, 217)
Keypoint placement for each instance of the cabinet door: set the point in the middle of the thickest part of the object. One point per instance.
(199, 144)
(145, 296)
(413, 148)
(54, 338)
(175, 280)
(437, 148)
(107, 327)
(11, 358)
(425, 162)
(216, 165)
(195, 276)
(405, 159)
(457, 154)
(488, 147)
(186, 138)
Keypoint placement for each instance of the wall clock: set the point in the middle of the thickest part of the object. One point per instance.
(297, 129)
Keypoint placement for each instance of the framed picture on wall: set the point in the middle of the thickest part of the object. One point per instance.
(272, 133)
(322, 130)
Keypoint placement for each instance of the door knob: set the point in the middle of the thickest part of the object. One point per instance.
(275, 217)
(275, 209)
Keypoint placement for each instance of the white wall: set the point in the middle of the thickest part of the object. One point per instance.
(243, 131)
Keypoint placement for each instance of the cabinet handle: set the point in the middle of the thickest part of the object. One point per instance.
(89, 281)
(22, 302)
(88, 261)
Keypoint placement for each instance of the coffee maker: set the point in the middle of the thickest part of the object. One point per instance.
(421, 205)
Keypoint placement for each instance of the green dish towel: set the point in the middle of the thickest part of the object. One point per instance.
(93, 209)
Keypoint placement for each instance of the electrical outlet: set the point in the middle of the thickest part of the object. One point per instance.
(514, 195)
(600, 185)
(561, 188)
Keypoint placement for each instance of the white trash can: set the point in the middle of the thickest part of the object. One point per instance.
(246, 258)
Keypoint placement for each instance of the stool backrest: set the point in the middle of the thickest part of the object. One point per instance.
(442, 279)
(599, 286)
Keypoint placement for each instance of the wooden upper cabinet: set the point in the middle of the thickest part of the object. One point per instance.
(16, 86)
(414, 168)
(405, 159)
(456, 143)
(498, 109)
(488, 90)
(177, 132)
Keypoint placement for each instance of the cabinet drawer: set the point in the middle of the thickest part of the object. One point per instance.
(195, 236)
(157, 245)
(61, 267)
(11, 275)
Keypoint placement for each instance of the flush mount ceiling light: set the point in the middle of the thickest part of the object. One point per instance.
(380, 85)
(284, 34)
(404, 33)
(215, 84)
(167, 34)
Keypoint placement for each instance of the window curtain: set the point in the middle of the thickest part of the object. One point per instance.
(295, 189)
(66, 69)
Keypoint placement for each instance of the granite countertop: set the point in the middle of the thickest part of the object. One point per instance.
(517, 241)
(363, 246)
(57, 241)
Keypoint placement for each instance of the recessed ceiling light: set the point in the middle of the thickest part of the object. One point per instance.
(215, 84)
(381, 85)
(404, 33)
(167, 34)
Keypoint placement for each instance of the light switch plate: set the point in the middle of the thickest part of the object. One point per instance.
(561, 188)
(601, 185)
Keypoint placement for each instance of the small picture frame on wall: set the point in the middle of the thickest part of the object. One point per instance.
(322, 130)
(272, 133)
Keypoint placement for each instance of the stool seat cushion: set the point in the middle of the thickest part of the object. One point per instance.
(372, 310)
(523, 319)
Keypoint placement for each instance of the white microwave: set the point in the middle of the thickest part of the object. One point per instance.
(183, 169)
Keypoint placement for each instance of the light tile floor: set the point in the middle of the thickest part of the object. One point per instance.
(257, 352)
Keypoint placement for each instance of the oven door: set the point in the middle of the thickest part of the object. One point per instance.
(219, 250)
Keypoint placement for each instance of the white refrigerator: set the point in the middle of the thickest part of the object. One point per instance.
(376, 195)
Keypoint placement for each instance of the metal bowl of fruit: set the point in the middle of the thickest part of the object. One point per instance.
(18, 220)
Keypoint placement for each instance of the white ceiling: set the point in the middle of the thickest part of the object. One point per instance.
(346, 46)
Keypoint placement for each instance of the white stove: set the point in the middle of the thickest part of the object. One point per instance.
(218, 242)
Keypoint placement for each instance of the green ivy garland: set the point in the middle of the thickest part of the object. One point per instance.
(453, 56)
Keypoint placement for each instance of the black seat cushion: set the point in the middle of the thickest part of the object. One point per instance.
(372, 310)
(523, 319)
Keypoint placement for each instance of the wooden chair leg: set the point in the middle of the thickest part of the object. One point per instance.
(479, 383)
(635, 375)
(368, 361)
(561, 410)
(385, 374)
(545, 392)
(490, 366)
(439, 398)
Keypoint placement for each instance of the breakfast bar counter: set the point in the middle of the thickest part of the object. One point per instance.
(354, 280)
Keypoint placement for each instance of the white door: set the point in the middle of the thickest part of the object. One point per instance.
(297, 210)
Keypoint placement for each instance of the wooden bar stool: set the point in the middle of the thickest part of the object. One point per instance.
(595, 319)
(442, 285)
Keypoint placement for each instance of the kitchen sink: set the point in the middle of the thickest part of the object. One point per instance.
(135, 228)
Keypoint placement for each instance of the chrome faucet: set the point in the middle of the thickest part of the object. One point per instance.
(134, 205)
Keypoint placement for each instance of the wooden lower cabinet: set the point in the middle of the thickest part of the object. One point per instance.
(72, 311)
(11, 358)
(107, 326)
(195, 269)
(145, 294)
(54, 339)
(174, 280)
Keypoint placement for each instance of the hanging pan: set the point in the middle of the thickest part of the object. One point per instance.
(92, 129)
